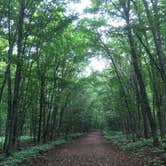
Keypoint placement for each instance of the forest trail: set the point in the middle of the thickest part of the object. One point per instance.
(88, 150)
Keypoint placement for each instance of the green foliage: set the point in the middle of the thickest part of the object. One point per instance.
(28, 153)
(142, 148)
(73, 136)
(44, 52)
(116, 137)
(23, 139)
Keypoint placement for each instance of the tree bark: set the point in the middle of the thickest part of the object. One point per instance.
(144, 98)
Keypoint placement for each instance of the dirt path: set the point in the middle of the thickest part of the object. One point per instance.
(89, 150)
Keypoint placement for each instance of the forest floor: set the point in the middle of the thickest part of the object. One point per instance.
(89, 150)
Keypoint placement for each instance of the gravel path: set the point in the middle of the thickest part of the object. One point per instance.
(89, 150)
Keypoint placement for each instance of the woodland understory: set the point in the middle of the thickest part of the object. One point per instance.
(48, 94)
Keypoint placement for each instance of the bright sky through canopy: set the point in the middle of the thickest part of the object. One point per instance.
(79, 7)
(96, 64)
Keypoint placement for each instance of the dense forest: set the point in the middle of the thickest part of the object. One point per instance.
(46, 91)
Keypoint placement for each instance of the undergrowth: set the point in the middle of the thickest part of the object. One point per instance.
(27, 153)
(142, 148)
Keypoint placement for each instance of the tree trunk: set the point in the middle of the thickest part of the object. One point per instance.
(15, 102)
(41, 108)
(144, 98)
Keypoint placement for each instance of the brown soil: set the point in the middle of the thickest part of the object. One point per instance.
(89, 150)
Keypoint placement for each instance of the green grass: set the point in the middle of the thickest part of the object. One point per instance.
(27, 153)
(142, 148)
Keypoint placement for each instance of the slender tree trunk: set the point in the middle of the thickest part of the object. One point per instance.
(144, 98)
(155, 28)
(122, 86)
(42, 86)
(7, 142)
(53, 125)
(4, 81)
(8, 132)
(17, 81)
(143, 90)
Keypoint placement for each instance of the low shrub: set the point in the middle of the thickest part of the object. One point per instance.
(143, 148)
(27, 153)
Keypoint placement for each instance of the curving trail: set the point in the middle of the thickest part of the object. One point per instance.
(89, 150)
